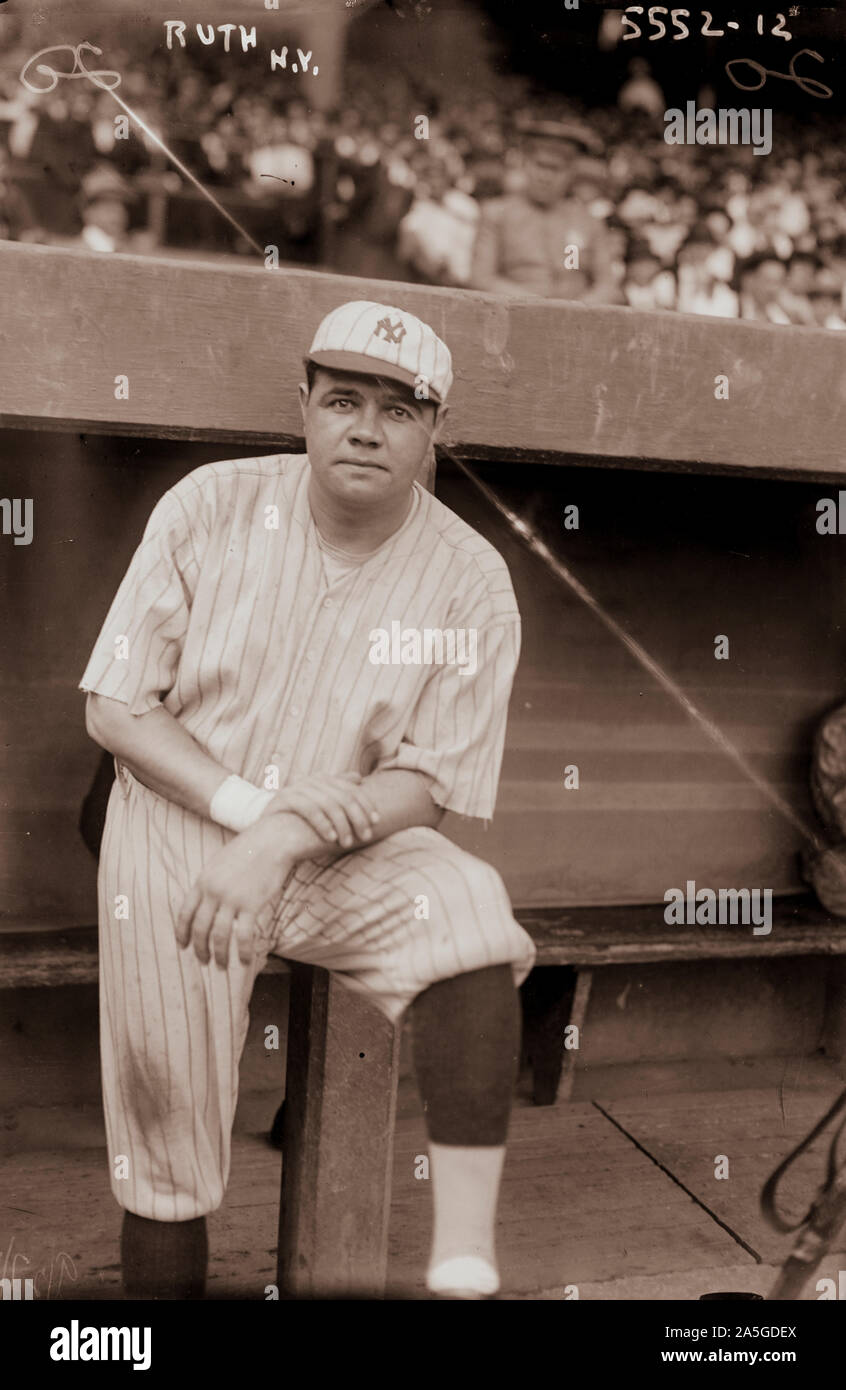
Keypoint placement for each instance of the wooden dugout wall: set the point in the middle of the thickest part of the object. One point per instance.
(685, 533)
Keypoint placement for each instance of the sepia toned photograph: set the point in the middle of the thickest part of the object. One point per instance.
(423, 590)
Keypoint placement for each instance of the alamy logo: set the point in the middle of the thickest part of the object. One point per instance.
(17, 518)
(726, 126)
(703, 907)
(77, 1343)
(428, 646)
(12, 1289)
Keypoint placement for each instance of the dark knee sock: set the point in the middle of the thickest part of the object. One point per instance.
(466, 1054)
(163, 1259)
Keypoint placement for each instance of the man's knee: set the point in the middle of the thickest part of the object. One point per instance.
(446, 877)
(463, 879)
(472, 906)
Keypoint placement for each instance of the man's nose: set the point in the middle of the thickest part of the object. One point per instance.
(367, 427)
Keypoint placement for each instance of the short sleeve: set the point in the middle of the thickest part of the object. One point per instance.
(456, 734)
(136, 656)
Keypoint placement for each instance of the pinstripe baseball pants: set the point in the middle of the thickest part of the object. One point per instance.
(391, 918)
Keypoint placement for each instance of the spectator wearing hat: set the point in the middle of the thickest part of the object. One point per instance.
(106, 199)
(541, 241)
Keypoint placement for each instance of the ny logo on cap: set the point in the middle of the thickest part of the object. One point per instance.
(394, 332)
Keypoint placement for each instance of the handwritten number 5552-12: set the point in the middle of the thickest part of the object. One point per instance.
(632, 29)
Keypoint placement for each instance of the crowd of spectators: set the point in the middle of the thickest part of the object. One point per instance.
(391, 183)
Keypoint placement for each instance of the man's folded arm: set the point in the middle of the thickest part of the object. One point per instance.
(163, 756)
(401, 798)
(157, 750)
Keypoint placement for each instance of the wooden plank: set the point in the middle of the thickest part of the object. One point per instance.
(755, 1132)
(340, 1093)
(205, 350)
(629, 935)
(578, 1014)
(35, 953)
(31, 956)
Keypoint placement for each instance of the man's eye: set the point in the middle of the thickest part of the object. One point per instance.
(402, 410)
(340, 400)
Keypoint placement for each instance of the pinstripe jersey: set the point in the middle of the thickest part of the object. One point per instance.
(226, 618)
(229, 617)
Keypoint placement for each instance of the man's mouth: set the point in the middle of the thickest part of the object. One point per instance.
(361, 463)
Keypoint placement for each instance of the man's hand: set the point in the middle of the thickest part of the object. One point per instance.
(252, 869)
(337, 808)
(233, 889)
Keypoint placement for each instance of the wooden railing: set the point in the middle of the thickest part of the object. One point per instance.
(206, 350)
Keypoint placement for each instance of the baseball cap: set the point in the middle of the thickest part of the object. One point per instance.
(104, 181)
(381, 340)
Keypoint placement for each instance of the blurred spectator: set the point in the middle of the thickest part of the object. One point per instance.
(704, 271)
(437, 234)
(825, 307)
(646, 285)
(802, 270)
(106, 197)
(17, 219)
(541, 241)
(363, 191)
(641, 92)
(282, 161)
(761, 281)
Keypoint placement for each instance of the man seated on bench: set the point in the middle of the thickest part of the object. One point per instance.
(270, 632)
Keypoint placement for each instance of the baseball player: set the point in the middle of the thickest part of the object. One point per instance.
(285, 748)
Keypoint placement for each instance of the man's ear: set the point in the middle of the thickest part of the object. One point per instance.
(302, 391)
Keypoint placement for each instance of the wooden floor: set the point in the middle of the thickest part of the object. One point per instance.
(609, 1197)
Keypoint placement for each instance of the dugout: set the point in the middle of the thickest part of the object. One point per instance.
(696, 520)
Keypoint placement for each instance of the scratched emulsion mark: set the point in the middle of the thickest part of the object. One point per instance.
(672, 688)
(16, 1265)
(98, 79)
(496, 329)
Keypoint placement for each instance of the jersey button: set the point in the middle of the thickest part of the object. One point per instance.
(294, 711)
(327, 603)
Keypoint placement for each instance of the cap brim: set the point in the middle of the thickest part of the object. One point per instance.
(341, 361)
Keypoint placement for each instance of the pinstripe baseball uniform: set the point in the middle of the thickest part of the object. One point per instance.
(266, 649)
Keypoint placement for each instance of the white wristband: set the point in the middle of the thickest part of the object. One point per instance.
(237, 804)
